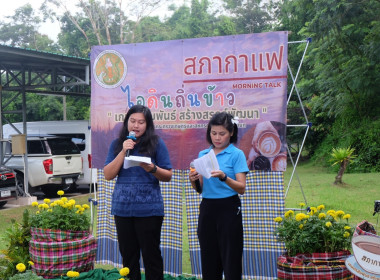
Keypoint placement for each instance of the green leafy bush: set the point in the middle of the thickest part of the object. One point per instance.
(28, 275)
(362, 135)
(62, 214)
(17, 238)
(314, 231)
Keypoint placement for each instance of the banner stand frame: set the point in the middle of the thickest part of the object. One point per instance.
(307, 125)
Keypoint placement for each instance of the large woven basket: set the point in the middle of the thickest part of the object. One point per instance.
(55, 252)
(317, 266)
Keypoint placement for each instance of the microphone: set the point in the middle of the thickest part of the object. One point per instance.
(198, 186)
(132, 135)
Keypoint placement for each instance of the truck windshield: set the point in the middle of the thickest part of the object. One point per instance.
(62, 146)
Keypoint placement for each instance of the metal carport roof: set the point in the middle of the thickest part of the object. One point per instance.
(38, 71)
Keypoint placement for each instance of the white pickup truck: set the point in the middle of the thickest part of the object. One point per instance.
(54, 163)
(78, 130)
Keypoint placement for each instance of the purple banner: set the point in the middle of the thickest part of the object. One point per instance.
(184, 82)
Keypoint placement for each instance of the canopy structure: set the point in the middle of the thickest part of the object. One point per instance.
(25, 71)
(43, 72)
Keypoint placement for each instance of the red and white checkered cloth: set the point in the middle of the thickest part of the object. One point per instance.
(316, 266)
(55, 252)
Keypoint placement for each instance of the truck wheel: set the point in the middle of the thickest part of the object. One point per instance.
(71, 188)
(2, 203)
(51, 190)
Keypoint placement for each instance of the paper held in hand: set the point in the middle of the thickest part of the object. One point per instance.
(205, 164)
(135, 161)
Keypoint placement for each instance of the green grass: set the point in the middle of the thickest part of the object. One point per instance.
(355, 197)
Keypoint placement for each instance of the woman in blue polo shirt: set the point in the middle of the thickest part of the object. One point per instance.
(137, 203)
(220, 227)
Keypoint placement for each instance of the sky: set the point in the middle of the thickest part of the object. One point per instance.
(51, 29)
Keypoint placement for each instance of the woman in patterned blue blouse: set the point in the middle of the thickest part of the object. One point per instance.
(220, 227)
(137, 203)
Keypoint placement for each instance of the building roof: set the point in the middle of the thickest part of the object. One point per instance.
(16, 55)
(44, 72)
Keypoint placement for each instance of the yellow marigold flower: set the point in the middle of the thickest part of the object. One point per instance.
(78, 206)
(85, 206)
(50, 210)
(38, 212)
(347, 227)
(314, 209)
(46, 200)
(320, 207)
(300, 216)
(77, 212)
(301, 226)
(124, 271)
(301, 204)
(82, 209)
(53, 204)
(60, 193)
(331, 213)
(45, 206)
(35, 204)
(346, 234)
(20, 267)
(64, 199)
(31, 263)
(72, 274)
(328, 224)
(72, 201)
(289, 214)
(347, 216)
(60, 202)
(339, 213)
(321, 216)
(40, 206)
(278, 219)
(121, 279)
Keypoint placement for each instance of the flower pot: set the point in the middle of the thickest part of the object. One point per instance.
(54, 252)
(315, 266)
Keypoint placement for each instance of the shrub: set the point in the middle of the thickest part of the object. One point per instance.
(17, 248)
(314, 231)
(62, 214)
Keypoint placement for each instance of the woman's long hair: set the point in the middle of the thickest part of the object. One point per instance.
(224, 119)
(148, 141)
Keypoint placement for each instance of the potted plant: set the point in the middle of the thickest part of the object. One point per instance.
(317, 243)
(60, 238)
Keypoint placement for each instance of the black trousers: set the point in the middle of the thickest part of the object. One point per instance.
(220, 234)
(140, 234)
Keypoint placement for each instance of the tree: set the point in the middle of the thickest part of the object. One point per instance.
(250, 16)
(200, 21)
(179, 22)
(342, 156)
(107, 23)
(21, 30)
(340, 72)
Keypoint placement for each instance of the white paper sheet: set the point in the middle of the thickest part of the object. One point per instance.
(205, 164)
(135, 161)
